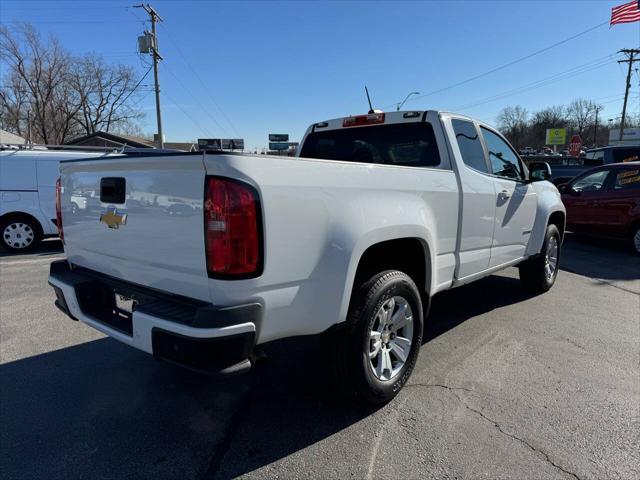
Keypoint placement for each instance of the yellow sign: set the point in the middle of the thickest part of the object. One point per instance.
(556, 136)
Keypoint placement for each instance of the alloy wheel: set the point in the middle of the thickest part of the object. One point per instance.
(390, 338)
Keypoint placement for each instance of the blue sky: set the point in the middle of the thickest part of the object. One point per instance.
(244, 69)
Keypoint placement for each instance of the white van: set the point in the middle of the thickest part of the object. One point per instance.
(27, 194)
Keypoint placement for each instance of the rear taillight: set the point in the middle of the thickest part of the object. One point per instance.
(232, 228)
(59, 209)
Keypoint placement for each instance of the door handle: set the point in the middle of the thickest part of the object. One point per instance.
(503, 195)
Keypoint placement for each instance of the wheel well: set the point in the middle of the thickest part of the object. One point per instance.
(21, 216)
(632, 228)
(409, 255)
(558, 219)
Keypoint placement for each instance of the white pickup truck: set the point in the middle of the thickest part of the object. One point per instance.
(351, 239)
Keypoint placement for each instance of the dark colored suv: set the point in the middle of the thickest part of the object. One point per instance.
(605, 201)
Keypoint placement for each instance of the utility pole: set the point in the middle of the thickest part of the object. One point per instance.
(153, 15)
(629, 52)
(29, 127)
(595, 128)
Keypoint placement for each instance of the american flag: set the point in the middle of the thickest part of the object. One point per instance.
(626, 13)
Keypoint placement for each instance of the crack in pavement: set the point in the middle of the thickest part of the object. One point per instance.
(495, 424)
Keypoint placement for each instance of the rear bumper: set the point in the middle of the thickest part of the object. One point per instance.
(190, 333)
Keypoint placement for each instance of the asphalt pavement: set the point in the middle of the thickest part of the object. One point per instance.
(508, 385)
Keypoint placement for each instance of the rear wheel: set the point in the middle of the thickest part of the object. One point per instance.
(374, 354)
(19, 234)
(539, 273)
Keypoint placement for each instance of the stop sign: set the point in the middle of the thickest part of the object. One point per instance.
(575, 145)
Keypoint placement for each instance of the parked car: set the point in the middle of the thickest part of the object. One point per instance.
(350, 241)
(605, 201)
(528, 151)
(592, 158)
(27, 194)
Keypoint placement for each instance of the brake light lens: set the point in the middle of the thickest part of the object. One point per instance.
(59, 209)
(358, 120)
(233, 233)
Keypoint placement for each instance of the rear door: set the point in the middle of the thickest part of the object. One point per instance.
(143, 220)
(618, 205)
(478, 197)
(515, 200)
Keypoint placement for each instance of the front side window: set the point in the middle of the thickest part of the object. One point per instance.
(470, 145)
(409, 144)
(504, 162)
(627, 179)
(592, 182)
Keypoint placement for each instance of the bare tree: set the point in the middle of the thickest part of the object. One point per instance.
(62, 96)
(581, 114)
(512, 122)
(102, 92)
(38, 71)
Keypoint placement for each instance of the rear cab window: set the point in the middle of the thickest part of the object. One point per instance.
(405, 144)
(470, 146)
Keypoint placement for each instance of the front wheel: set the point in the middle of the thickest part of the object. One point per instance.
(539, 273)
(374, 354)
(635, 240)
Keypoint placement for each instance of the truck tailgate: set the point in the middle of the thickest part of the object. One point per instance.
(155, 238)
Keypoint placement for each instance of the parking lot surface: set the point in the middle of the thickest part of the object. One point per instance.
(508, 385)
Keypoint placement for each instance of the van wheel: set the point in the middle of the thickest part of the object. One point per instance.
(19, 234)
(375, 352)
(539, 273)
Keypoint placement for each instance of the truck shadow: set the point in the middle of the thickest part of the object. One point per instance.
(47, 247)
(103, 410)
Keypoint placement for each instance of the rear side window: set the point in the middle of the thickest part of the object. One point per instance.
(627, 180)
(626, 155)
(470, 146)
(408, 144)
(594, 159)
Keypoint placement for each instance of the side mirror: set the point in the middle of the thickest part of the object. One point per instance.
(566, 188)
(539, 171)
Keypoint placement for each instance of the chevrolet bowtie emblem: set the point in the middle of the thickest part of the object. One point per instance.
(112, 219)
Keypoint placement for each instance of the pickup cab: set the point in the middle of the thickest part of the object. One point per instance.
(349, 240)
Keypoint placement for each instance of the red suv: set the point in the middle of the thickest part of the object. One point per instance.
(605, 201)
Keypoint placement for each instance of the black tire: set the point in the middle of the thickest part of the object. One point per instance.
(351, 344)
(534, 273)
(30, 235)
(635, 240)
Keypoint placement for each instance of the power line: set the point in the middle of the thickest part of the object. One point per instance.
(508, 64)
(186, 114)
(73, 21)
(195, 74)
(196, 100)
(575, 71)
(134, 88)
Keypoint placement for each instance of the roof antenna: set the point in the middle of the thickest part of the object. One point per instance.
(369, 100)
